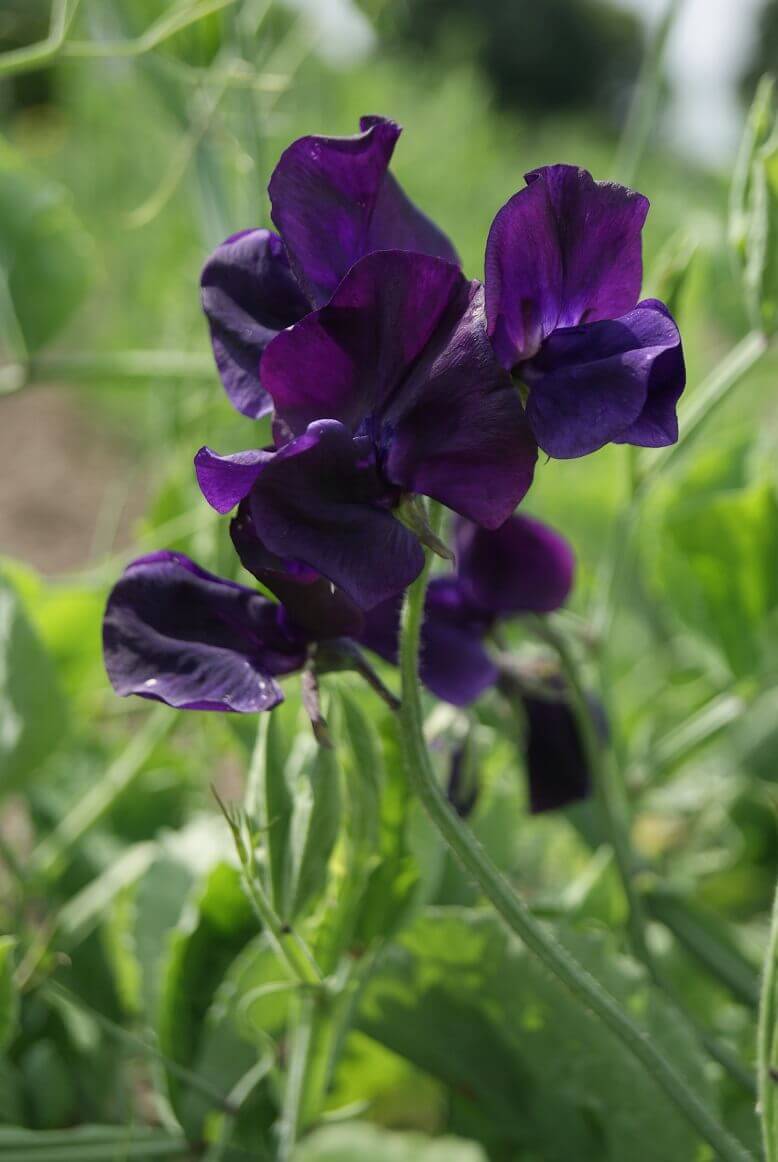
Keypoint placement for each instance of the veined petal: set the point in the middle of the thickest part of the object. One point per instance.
(521, 567)
(589, 384)
(333, 201)
(319, 501)
(225, 480)
(177, 634)
(564, 250)
(248, 294)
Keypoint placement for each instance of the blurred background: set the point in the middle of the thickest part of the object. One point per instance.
(136, 135)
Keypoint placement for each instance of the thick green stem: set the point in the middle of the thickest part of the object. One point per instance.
(517, 916)
(768, 1044)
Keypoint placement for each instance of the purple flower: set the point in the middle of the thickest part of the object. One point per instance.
(389, 390)
(333, 201)
(557, 767)
(522, 567)
(563, 277)
(177, 634)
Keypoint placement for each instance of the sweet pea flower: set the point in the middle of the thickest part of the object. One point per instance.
(333, 200)
(390, 390)
(563, 276)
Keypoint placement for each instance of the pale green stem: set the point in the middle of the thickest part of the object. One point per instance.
(767, 1043)
(288, 944)
(517, 916)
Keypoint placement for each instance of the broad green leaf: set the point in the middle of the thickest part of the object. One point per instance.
(358, 1142)
(32, 710)
(43, 251)
(530, 1068)
(9, 997)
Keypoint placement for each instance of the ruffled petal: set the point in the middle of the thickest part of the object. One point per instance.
(225, 480)
(248, 294)
(522, 567)
(310, 602)
(657, 424)
(564, 250)
(319, 502)
(333, 201)
(177, 634)
(589, 384)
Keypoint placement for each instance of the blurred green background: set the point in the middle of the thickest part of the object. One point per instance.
(127, 152)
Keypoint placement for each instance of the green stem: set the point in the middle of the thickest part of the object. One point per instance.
(517, 916)
(767, 1042)
(289, 945)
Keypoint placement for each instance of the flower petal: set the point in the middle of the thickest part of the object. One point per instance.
(589, 384)
(333, 201)
(177, 634)
(248, 294)
(557, 770)
(564, 250)
(309, 601)
(225, 480)
(522, 567)
(319, 501)
(454, 664)
(657, 424)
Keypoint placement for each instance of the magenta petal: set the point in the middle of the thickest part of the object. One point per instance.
(177, 634)
(248, 294)
(564, 250)
(225, 480)
(319, 501)
(333, 201)
(522, 567)
(589, 384)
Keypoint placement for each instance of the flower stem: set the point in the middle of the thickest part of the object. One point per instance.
(517, 916)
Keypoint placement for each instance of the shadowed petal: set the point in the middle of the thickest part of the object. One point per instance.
(248, 294)
(564, 250)
(177, 634)
(657, 424)
(225, 480)
(557, 769)
(334, 201)
(522, 567)
(319, 501)
(589, 384)
(310, 601)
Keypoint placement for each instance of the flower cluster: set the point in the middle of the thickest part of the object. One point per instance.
(389, 376)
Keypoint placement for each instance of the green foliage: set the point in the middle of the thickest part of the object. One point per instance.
(355, 1143)
(9, 998)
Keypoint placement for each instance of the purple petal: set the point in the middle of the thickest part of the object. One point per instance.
(319, 501)
(522, 567)
(557, 769)
(309, 601)
(225, 480)
(249, 294)
(401, 353)
(589, 384)
(177, 634)
(564, 250)
(333, 201)
(657, 424)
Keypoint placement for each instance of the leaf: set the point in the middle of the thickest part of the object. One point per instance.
(32, 710)
(43, 251)
(357, 1142)
(9, 997)
(314, 827)
(270, 803)
(90, 1144)
(529, 1068)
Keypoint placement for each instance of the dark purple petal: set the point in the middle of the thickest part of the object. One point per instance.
(381, 629)
(557, 769)
(564, 250)
(401, 354)
(333, 201)
(177, 634)
(225, 480)
(462, 786)
(309, 601)
(657, 424)
(522, 567)
(589, 384)
(319, 501)
(249, 294)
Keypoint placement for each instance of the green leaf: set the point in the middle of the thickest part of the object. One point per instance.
(530, 1068)
(358, 1142)
(314, 826)
(32, 710)
(269, 803)
(43, 253)
(90, 1144)
(9, 997)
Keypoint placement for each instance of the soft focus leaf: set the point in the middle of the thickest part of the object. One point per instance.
(32, 711)
(753, 225)
(9, 998)
(358, 1142)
